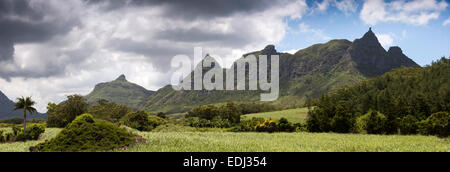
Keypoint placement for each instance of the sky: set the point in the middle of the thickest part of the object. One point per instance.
(51, 48)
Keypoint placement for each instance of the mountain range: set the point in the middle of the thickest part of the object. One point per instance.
(308, 73)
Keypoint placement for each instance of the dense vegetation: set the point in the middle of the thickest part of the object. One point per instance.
(33, 132)
(409, 99)
(88, 134)
(109, 111)
(63, 114)
(141, 121)
(230, 111)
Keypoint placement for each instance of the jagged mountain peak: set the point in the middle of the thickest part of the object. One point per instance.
(369, 40)
(269, 49)
(122, 78)
(395, 50)
(119, 91)
(372, 59)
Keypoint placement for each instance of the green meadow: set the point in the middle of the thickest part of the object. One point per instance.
(220, 141)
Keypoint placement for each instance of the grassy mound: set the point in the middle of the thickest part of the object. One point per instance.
(85, 134)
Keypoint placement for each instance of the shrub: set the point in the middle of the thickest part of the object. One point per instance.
(109, 111)
(61, 115)
(2, 137)
(156, 121)
(248, 125)
(85, 134)
(343, 123)
(268, 125)
(285, 126)
(230, 112)
(436, 124)
(34, 131)
(318, 121)
(409, 125)
(204, 123)
(142, 121)
(373, 123)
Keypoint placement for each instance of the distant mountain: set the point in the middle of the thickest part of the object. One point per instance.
(7, 110)
(307, 74)
(119, 91)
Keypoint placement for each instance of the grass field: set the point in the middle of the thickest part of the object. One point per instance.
(220, 141)
(286, 142)
(24, 146)
(293, 115)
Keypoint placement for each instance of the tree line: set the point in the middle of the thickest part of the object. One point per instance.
(406, 100)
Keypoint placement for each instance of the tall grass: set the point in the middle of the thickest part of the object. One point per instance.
(286, 142)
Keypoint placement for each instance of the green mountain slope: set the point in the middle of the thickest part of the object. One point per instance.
(119, 91)
(307, 74)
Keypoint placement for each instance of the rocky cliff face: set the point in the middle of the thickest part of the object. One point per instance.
(372, 59)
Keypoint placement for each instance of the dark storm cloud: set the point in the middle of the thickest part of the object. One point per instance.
(20, 22)
(193, 8)
(159, 55)
(196, 35)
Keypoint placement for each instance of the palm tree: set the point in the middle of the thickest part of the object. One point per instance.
(27, 105)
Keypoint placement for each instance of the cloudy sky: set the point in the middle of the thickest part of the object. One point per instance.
(53, 48)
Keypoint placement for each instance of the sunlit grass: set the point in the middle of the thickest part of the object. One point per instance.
(220, 141)
(286, 142)
(25, 146)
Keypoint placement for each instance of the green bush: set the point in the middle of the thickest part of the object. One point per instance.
(142, 121)
(285, 126)
(109, 111)
(248, 125)
(436, 124)
(61, 115)
(230, 112)
(86, 134)
(343, 123)
(156, 121)
(33, 132)
(373, 123)
(409, 125)
(2, 137)
(269, 125)
(318, 121)
(204, 123)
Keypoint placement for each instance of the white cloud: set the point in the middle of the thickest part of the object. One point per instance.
(346, 6)
(92, 52)
(385, 40)
(290, 51)
(322, 6)
(316, 33)
(415, 12)
(446, 22)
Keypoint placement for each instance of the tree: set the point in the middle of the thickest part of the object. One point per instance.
(27, 105)
(64, 113)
